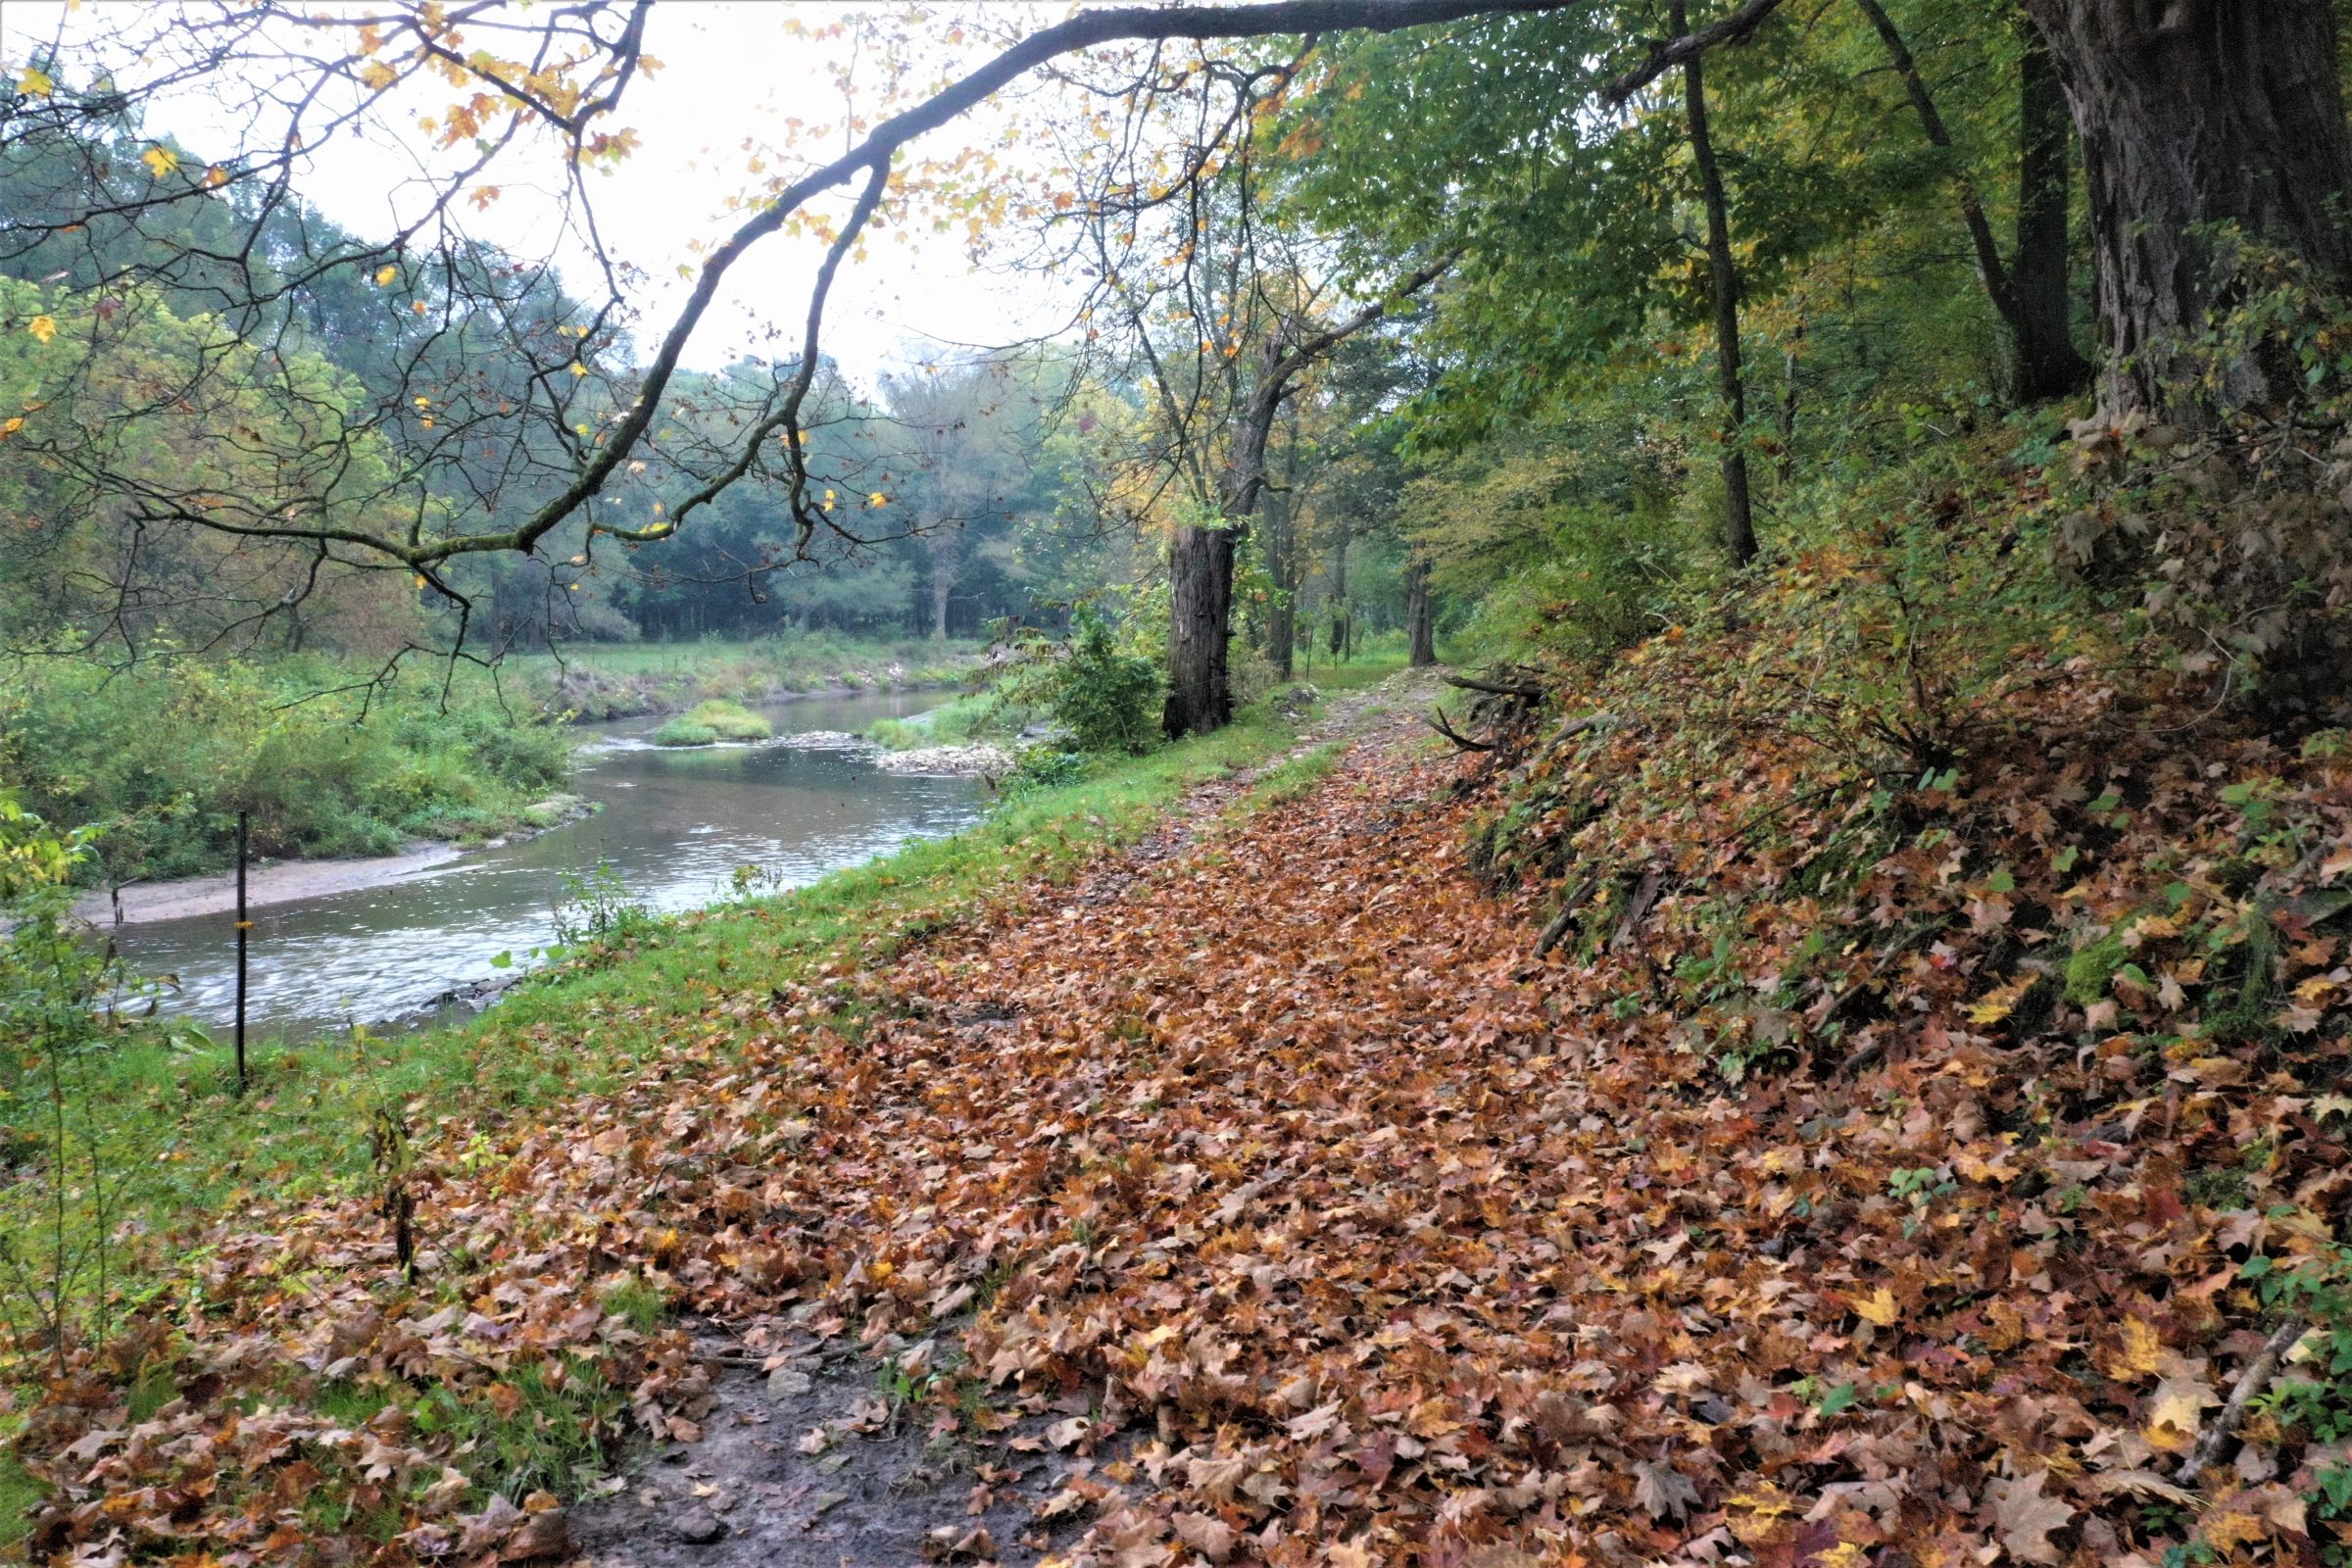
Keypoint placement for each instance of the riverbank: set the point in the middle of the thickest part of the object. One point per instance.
(279, 882)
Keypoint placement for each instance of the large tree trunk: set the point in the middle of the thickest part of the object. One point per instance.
(1420, 632)
(1200, 627)
(2039, 274)
(1739, 519)
(2193, 114)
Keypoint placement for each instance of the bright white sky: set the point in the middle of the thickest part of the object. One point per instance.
(729, 71)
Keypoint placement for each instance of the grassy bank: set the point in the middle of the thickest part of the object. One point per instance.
(625, 680)
(333, 1124)
(162, 756)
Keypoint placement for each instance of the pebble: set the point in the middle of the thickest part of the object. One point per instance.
(789, 1382)
(698, 1527)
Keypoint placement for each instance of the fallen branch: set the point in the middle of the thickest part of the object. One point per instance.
(1522, 690)
(1438, 722)
(1559, 923)
(2250, 1382)
(1599, 720)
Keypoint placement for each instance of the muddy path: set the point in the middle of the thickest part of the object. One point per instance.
(813, 1456)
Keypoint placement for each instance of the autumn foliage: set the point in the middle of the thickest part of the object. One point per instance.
(1929, 1106)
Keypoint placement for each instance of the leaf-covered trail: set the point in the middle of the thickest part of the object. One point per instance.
(1258, 1198)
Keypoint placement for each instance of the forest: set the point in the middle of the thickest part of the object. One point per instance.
(1667, 876)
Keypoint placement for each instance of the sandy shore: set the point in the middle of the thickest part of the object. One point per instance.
(271, 884)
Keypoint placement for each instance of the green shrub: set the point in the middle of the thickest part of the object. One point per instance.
(1105, 699)
(164, 755)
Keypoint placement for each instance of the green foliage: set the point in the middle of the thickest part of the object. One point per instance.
(981, 716)
(2312, 1393)
(598, 909)
(1105, 699)
(548, 1431)
(57, 992)
(164, 757)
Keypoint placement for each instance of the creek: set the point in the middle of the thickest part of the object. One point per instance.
(672, 828)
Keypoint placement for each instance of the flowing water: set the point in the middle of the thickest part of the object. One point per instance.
(674, 826)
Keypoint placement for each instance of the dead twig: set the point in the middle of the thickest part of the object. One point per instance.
(1645, 896)
(1462, 741)
(1522, 691)
(1599, 720)
(2250, 1382)
(1559, 923)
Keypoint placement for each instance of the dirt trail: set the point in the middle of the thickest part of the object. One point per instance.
(810, 1456)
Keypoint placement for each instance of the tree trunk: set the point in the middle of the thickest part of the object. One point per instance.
(2194, 113)
(1200, 625)
(1420, 635)
(2047, 364)
(1989, 267)
(1739, 520)
(1277, 533)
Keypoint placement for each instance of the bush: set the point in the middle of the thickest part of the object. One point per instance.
(731, 720)
(161, 758)
(1108, 700)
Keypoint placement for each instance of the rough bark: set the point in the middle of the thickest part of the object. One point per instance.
(1200, 627)
(1739, 519)
(2048, 366)
(2194, 113)
(1420, 632)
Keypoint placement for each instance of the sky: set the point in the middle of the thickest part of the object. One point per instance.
(730, 71)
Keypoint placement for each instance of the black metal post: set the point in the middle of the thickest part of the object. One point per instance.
(244, 823)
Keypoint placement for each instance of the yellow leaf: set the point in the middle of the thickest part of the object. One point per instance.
(35, 82)
(160, 161)
(2143, 1352)
(877, 499)
(2176, 1413)
(12, 426)
(43, 327)
(1878, 1308)
(577, 369)
(385, 275)
(378, 76)
(417, 307)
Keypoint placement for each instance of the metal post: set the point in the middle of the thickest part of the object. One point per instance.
(244, 823)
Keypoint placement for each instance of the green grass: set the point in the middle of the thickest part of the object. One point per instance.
(162, 1119)
(716, 720)
(980, 716)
